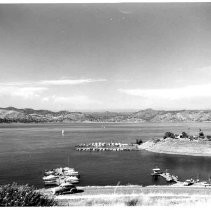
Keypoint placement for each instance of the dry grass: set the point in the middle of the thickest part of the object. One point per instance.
(149, 197)
(134, 195)
(139, 200)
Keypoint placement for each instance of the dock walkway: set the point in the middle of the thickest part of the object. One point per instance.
(167, 176)
(103, 146)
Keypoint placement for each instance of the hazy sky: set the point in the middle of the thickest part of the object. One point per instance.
(106, 56)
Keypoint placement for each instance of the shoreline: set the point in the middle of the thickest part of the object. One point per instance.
(127, 195)
(178, 153)
(106, 122)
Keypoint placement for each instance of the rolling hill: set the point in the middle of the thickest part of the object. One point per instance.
(11, 114)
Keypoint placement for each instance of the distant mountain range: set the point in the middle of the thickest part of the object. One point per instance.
(11, 114)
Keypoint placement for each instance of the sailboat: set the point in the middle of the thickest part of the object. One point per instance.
(62, 132)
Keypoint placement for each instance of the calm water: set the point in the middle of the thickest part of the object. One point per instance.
(26, 150)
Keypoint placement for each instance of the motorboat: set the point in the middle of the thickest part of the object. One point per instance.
(156, 172)
(51, 182)
(68, 168)
(61, 175)
(50, 172)
(72, 179)
(50, 178)
(61, 171)
(69, 173)
(169, 177)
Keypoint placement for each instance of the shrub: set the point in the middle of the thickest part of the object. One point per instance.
(191, 138)
(156, 140)
(169, 135)
(132, 202)
(23, 195)
(184, 135)
(139, 141)
(209, 138)
(201, 135)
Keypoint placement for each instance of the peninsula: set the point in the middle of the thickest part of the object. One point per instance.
(182, 144)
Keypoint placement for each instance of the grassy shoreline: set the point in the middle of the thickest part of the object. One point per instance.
(130, 195)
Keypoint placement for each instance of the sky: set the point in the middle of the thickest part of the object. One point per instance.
(105, 57)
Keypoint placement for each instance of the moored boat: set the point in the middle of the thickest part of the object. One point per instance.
(156, 172)
(50, 178)
(72, 179)
(61, 175)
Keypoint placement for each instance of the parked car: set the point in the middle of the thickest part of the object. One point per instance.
(206, 184)
(64, 188)
(188, 182)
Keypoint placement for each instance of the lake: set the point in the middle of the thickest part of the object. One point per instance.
(26, 150)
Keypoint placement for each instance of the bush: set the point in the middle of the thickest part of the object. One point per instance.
(156, 140)
(209, 138)
(23, 195)
(139, 141)
(201, 135)
(132, 202)
(191, 138)
(184, 135)
(169, 135)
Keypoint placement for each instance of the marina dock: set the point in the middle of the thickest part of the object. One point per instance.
(103, 146)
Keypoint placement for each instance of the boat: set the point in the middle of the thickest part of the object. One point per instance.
(72, 179)
(50, 178)
(51, 182)
(70, 172)
(61, 175)
(169, 177)
(50, 172)
(175, 178)
(66, 170)
(69, 179)
(156, 172)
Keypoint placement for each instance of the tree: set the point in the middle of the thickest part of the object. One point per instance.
(184, 135)
(169, 135)
(201, 134)
(209, 138)
(139, 141)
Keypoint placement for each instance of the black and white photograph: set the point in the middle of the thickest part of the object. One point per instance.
(105, 104)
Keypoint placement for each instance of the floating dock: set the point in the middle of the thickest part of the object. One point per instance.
(102, 146)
